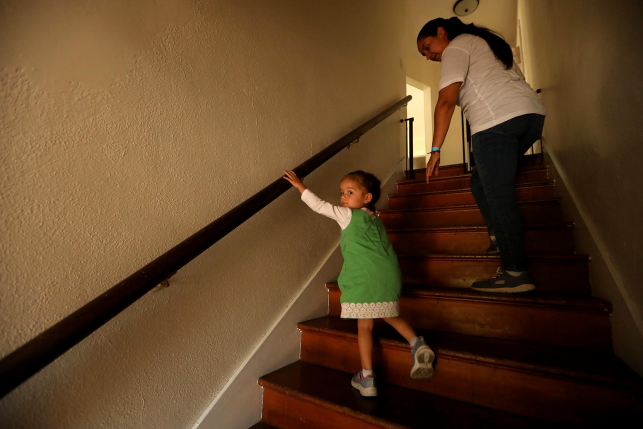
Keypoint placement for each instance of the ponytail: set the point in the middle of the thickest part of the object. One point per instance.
(454, 27)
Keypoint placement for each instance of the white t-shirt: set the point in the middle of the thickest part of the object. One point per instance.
(490, 94)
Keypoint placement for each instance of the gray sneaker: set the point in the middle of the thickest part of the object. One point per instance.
(506, 283)
(423, 358)
(366, 386)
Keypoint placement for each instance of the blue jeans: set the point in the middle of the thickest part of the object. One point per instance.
(496, 152)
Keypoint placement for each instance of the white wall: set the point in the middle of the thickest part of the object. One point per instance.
(127, 126)
(586, 57)
(415, 110)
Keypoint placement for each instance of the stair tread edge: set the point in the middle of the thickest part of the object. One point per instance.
(455, 346)
(541, 299)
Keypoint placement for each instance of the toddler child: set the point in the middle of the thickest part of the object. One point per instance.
(370, 280)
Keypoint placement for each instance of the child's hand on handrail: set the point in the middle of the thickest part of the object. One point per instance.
(290, 176)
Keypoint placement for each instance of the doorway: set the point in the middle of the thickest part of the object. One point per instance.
(418, 108)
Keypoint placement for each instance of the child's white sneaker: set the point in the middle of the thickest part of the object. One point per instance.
(423, 358)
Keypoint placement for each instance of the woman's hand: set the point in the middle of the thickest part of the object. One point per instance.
(447, 100)
(433, 165)
(294, 180)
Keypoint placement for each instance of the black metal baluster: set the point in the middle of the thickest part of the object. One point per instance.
(412, 171)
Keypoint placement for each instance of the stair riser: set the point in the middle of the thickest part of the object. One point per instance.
(444, 171)
(526, 161)
(438, 200)
(528, 323)
(526, 393)
(532, 214)
(476, 242)
(549, 275)
(464, 182)
(286, 411)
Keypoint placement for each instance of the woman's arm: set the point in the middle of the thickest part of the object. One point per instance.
(444, 108)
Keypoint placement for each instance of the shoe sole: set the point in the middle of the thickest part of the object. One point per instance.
(423, 365)
(515, 289)
(365, 391)
(493, 252)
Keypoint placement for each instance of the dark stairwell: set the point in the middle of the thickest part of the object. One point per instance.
(541, 359)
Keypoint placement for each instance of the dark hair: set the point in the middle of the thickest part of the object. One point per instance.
(454, 27)
(370, 183)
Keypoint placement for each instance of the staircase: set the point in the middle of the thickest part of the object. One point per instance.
(537, 360)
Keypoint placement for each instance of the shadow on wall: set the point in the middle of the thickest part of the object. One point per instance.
(593, 133)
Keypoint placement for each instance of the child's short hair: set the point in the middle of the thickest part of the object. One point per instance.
(370, 183)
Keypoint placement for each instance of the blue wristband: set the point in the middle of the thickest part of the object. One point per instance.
(435, 149)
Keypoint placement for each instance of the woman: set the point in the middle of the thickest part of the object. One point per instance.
(506, 116)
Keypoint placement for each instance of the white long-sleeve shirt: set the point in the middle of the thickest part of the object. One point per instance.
(342, 215)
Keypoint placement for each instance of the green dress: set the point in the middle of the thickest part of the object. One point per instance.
(370, 280)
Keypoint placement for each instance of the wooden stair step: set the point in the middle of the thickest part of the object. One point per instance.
(533, 212)
(573, 362)
(447, 170)
(304, 395)
(441, 183)
(552, 273)
(544, 238)
(542, 318)
(524, 192)
(553, 383)
(525, 161)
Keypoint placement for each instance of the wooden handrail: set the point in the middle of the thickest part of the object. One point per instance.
(39, 352)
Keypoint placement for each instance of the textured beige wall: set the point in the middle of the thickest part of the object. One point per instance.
(127, 126)
(586, 57)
